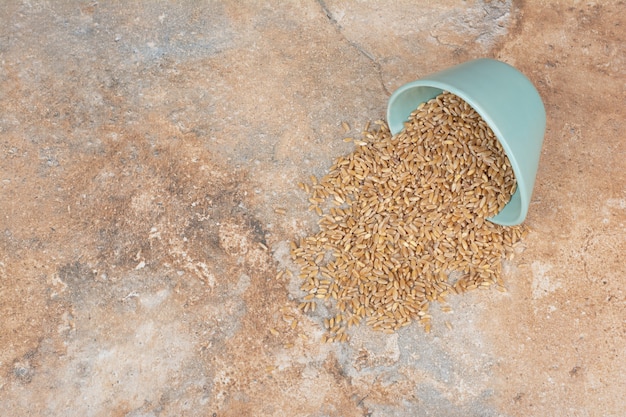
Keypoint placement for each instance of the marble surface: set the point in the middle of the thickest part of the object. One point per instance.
(144, 148)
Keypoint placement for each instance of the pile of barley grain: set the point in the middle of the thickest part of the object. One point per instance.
(408, 223)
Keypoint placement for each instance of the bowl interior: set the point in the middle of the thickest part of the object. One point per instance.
(408, 97)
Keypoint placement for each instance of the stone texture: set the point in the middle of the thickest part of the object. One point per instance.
(145, 145)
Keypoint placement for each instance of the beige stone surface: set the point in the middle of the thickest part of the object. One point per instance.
(144, 148)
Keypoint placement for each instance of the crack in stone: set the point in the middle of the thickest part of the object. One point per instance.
(355, 45)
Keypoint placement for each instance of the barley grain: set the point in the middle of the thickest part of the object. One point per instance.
(409, 224)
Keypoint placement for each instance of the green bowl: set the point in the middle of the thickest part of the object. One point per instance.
(509, 104)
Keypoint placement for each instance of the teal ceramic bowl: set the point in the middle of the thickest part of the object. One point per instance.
(506, 100)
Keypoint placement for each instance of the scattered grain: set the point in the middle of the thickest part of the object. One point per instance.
(408, 226)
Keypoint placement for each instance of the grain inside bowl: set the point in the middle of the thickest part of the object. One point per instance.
(403, 220)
